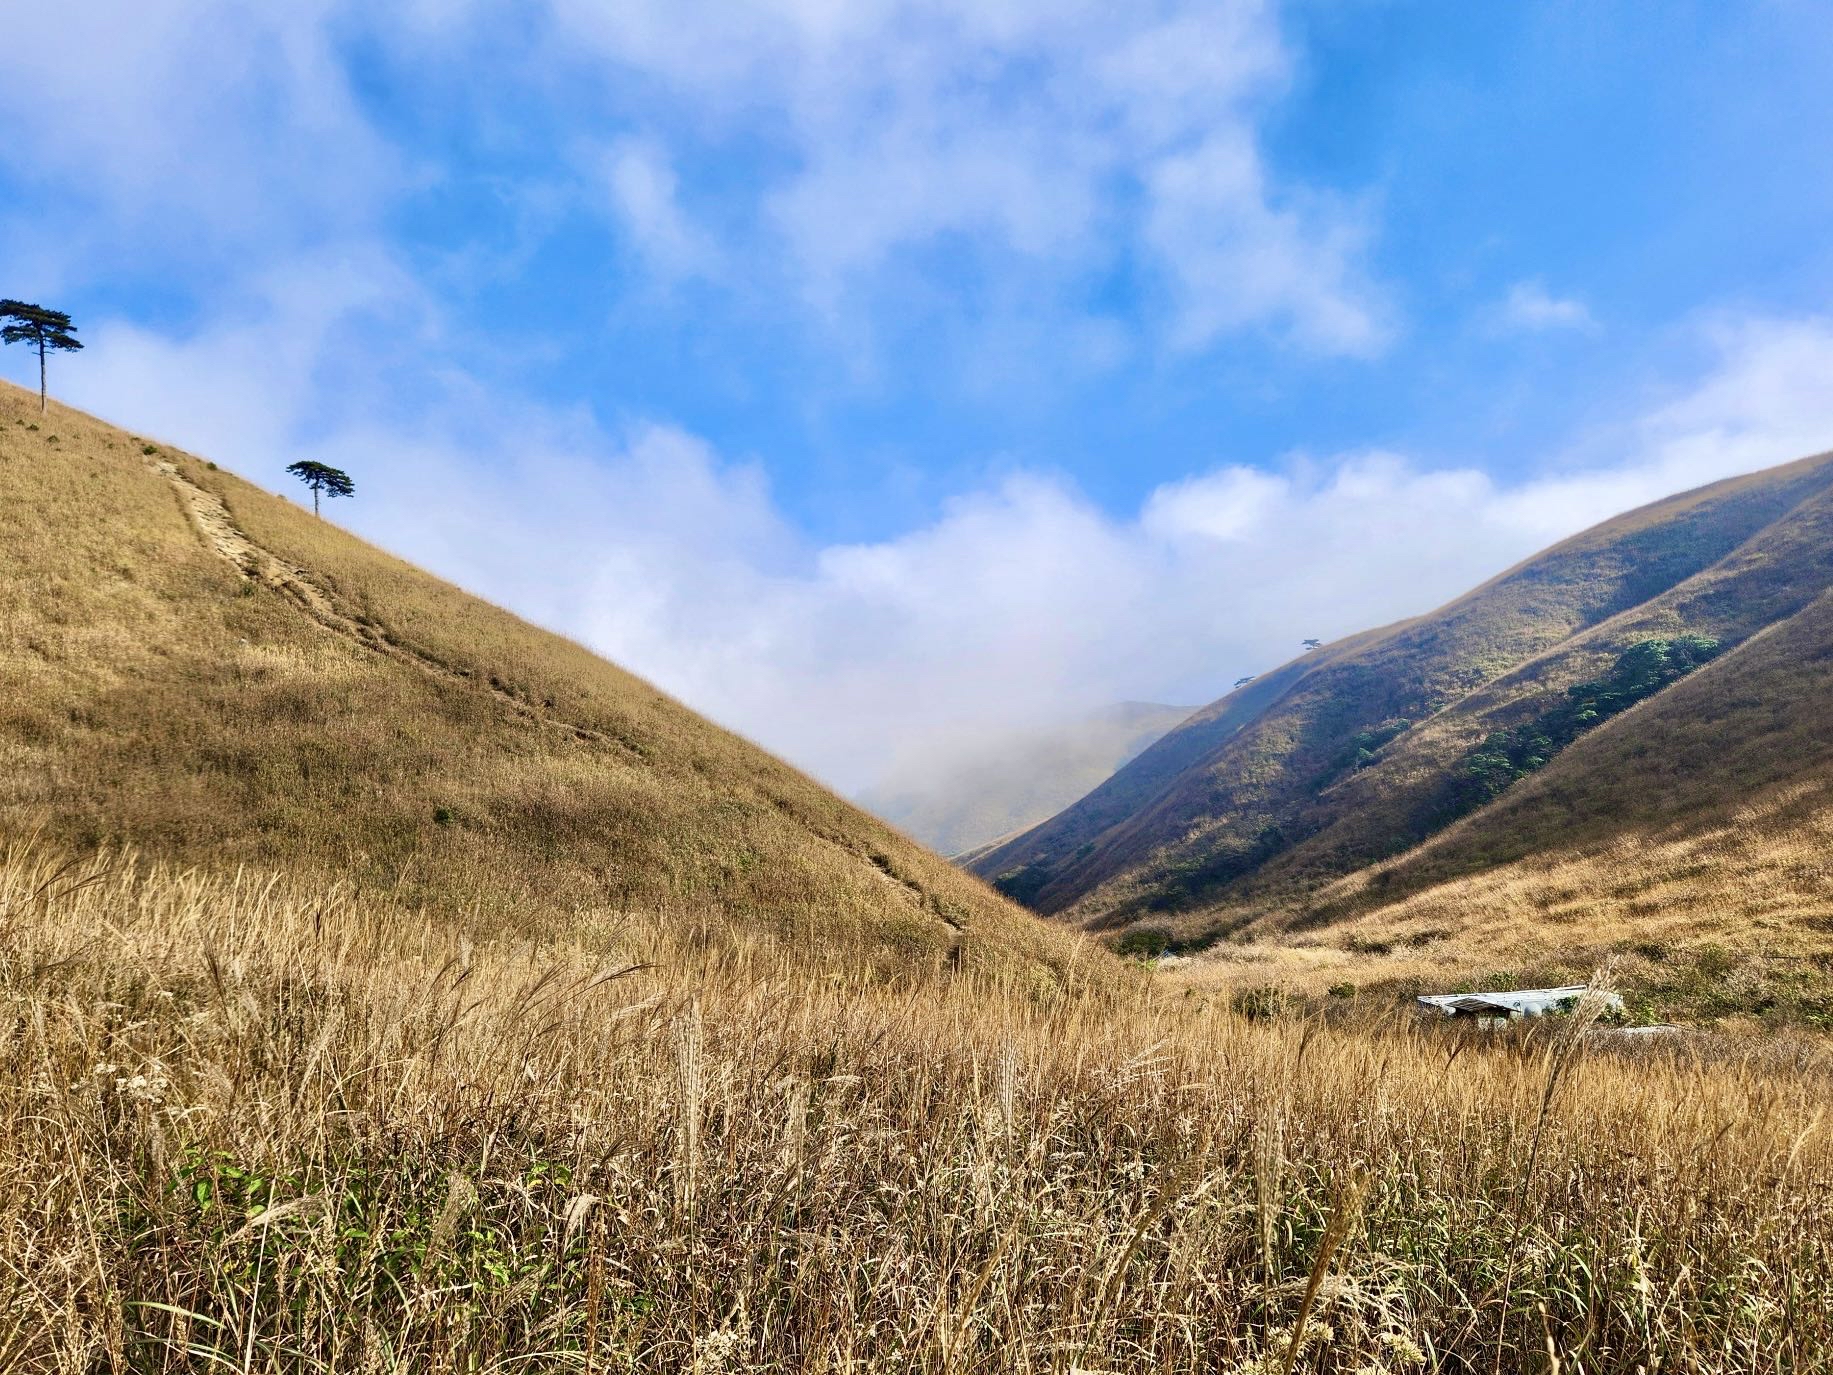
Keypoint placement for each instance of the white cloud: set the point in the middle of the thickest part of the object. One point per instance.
(1053, 141)
(202, 123)
(306, 346)
(1025, 603)
(644, 194)
(1021, 605)
(1531, 308)
(1236, 259)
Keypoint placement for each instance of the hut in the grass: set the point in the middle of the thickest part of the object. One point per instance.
(1491, 1009)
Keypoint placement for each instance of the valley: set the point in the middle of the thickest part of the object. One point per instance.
(390, 984)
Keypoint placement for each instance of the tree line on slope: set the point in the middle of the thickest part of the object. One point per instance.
(1504, 756)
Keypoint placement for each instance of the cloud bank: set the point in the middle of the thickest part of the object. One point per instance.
(1082, 182)
(1022, 605)
(1054, 140)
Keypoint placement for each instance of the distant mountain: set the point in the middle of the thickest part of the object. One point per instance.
(968, 805)
(199, 670)
(1628, 731)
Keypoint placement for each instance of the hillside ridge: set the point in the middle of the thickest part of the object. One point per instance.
(1728, 601)
(195, 669)
(1255, 817)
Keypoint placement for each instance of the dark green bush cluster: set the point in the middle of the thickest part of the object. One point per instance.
(1640, 671)
(1144, 943)
(1023, 884)
(1190, 880)
(1363, 746)
(1263, 1004)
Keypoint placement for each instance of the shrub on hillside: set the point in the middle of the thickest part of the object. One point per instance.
(1144, 943)
(1504, 756)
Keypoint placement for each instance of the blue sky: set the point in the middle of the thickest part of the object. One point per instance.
(888, 377)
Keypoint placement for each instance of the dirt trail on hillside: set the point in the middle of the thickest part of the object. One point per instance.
(221, 533)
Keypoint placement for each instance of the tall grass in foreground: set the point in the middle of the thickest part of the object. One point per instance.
(250, 1128)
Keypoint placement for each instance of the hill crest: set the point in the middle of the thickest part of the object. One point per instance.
(1397, 762)
(196, 668)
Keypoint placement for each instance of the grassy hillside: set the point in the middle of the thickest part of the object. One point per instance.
(388, 986)
(1028, 778)
(196, 668)
(1688, 842)
(274, 1127)
(1287, 806)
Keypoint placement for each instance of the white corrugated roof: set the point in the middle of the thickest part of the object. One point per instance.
(1528, 1002)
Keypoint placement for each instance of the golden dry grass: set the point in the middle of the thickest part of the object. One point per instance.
(1722, 921)
(477, 1008)
(326, 709)
(250, 1125)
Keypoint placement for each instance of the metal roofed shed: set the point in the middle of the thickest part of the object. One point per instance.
(1524, 1002)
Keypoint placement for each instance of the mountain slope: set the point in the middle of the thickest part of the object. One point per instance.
(1732, 765)
(1687, 842)
(1264, 814)
(201, 670)
(1015, 785)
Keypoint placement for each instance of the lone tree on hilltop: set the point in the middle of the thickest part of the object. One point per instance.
(321, 477)
(49, 331)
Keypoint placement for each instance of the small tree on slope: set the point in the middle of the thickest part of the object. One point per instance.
(321, 477)
(49, 331)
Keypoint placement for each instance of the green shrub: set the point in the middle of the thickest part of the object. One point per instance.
(1504, 756)
(1144, 942)
(1262, 1004)
(1023, 884)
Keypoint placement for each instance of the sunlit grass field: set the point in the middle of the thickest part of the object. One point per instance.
(254, 1126)
(389, 986)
